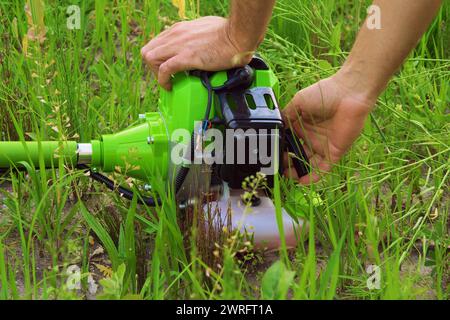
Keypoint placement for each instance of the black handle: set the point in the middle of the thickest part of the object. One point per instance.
(300, 161)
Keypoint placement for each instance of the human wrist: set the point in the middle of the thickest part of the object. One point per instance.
(240, 39)
(358, 81)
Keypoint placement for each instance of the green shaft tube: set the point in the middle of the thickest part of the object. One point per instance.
(12, 153)
(141, 152)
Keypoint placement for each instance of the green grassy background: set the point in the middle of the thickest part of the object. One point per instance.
(386, 203)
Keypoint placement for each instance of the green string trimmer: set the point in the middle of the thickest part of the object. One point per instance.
(239, 105)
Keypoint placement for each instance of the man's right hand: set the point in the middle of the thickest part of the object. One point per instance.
(203, 44)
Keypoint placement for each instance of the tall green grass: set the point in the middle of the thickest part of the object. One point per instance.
(385, 204)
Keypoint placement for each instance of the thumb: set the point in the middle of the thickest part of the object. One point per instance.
(315, 102)
(293, 110)
(301, 104)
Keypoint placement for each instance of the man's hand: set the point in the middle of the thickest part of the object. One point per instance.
(329, 117)
(333, 110)
(204, 44)
(209, 43)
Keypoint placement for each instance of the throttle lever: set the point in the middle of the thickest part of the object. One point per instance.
(300, 161)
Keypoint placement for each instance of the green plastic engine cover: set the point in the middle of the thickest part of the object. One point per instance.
(142, 151)
(186, 103)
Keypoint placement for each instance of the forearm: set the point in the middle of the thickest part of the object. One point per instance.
(378, 53)
(248, 22)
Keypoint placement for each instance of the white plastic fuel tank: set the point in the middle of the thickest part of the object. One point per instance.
(259, 220)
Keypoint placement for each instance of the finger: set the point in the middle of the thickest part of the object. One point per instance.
(290, 173)
(299, 130)
(288, 168)
(153, 65)
(291, 114)
(309, 104)
(161, 38)
(175, 64)
(293, 111)
(315, 138)
(160, 54)
(319, 167)
(156, 57)
(154, 68)
(288, 158)
(154, 43)
(310, 179)
(176, 28)
(303, 134)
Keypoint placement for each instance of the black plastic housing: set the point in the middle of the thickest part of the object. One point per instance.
(242, 108)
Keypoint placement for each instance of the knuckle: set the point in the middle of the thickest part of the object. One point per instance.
(150, 57)
(204, 59)
(188, 54)
(178, 28)
(164, 68)
(177, 25)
